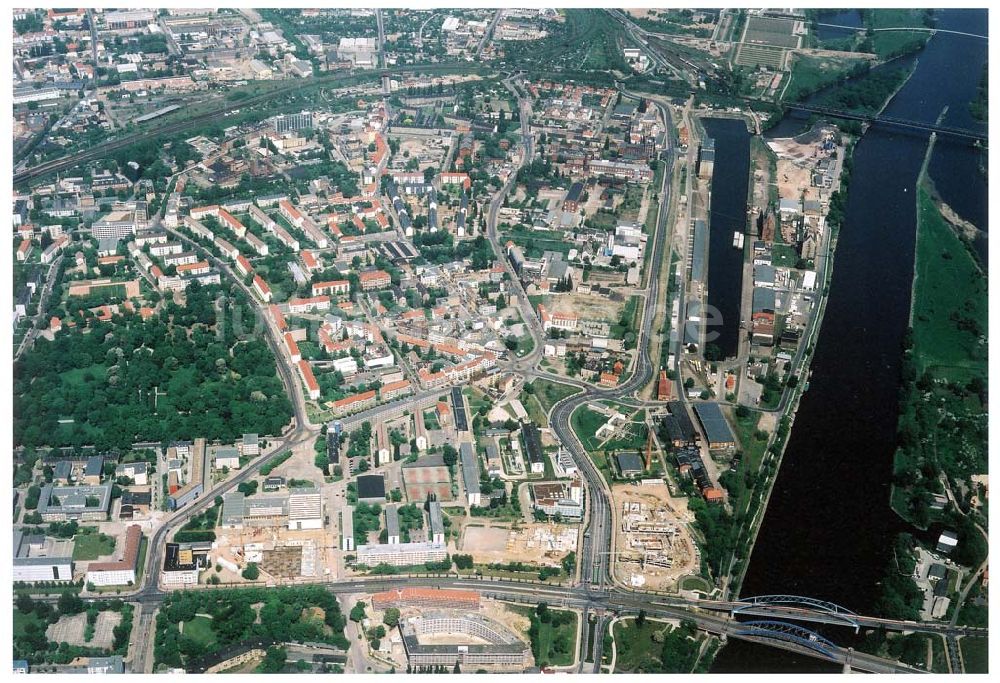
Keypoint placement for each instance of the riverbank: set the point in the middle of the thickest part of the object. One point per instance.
(945, 364)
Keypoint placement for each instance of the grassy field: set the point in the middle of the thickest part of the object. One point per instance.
(784, 255)
(476, 400)
(636, 437)
(887, 44)
(637, 652)
(553, 645)
(810, 74)
(975, 655)
(695, 583)
(534, 409)
(629, 313)
(585, 422)
(534, 245)
(430, 420)
(753, 448)
(949, 330)
(549, 393)
(78, 376)
(200, 630)
(90, 546)
(949, 304)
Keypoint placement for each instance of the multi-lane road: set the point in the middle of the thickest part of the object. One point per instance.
(712, 617)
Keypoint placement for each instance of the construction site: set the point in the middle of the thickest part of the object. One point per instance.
(653, 543)
(536, 544)
(281, 555)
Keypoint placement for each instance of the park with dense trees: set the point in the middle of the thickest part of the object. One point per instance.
(281, 615)
(181, 374)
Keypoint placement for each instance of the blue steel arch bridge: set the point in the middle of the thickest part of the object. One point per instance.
(799, 608)
(791, 633)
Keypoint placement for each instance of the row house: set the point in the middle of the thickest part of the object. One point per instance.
(316, 303)
(312, 386)
(226, 249)
(353, 404)
(309, 261)
(189, 269)
(228, 220)
(198, 228)
(256, 243)
(331, 287)
(180, 259)
(262, 289)
(243, 265)
(375, 279)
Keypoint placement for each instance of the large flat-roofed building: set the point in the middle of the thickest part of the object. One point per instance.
(125, 19)
(116, 225)
(716, 428)
(86, 503)
(305, 511)
(437, 522)
(470, 473)
(347, 528)
(392, 525)
(426, 597)
(239, 512)
(39, 558)
(629, 464)
(371, 488)
(120, 572)
(401, 554)
(533, 447)
(285, 123)
(136, 471)
(706, 158)
(559, 498)
(181, 564)
(502, 650)
(678, 425)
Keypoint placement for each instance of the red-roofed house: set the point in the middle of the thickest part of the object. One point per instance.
(316, 303)
(263, 291)
(199, 268)
(352, 404)
(230, 221)
(243, 265)
(374, 279)
(122, 571)
(396, 389)
(293, 348)
(279, 318)
(308, 260)
(23, 250)
(291, 214)
(310, 380)
(331, 287)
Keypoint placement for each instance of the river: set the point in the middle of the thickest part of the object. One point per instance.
(828, 528)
